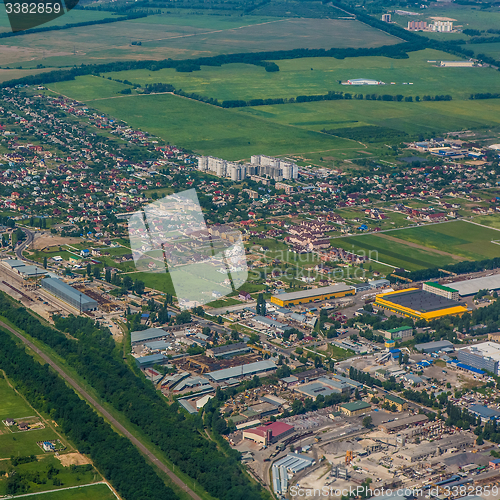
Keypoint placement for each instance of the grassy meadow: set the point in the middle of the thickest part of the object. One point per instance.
(309, 76)
(19, 443)
(87, 492)
(460, 238)
(455, 241)
(410, 117)
(212, 130)
(392, 253)
(179, 37)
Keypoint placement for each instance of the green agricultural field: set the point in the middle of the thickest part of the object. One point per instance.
(208, 129)
(392, 253)
(90, 492)
(489, 220)
(308, 76)
(461, 238)
(414, 118)
(88, 87)
(488, 49)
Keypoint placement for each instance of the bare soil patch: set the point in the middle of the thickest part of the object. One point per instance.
(73, 459)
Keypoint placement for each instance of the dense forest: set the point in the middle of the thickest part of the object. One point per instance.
(118, 460)
(180, 436)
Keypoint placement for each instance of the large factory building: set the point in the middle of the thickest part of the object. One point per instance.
(419, 304)
(304, 296)
(67, 293)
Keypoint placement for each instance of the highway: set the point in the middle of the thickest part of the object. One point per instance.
(155, 460)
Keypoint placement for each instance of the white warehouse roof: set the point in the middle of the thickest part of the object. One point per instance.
(471, 287)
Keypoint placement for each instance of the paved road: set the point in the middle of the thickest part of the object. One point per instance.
(156, 461)
(19, 249)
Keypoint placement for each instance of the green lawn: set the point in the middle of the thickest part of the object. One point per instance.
(309, 76)
(90, 492)
(66, 476)
(25, 443)
(12, 405)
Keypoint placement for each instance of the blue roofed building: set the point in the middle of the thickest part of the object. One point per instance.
(484, 412)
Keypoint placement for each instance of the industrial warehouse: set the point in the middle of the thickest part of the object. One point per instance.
(471, 287)
(305, 296)
(67, 293)
(419, 304)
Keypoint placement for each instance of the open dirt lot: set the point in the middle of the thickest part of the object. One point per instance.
(73, 459)
(50, 240)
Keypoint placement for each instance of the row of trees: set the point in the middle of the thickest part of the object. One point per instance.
(179, 436)
(119, 461)
(486, 95)
(459, 268)
(259, 58)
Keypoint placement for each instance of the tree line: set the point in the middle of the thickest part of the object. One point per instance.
(181, 437)
(258, 58)
(118, 460)
(459, 268)
(486, 95)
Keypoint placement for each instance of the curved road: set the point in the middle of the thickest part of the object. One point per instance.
(19, 248)
(156, 461)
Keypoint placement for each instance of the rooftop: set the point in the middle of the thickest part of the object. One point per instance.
(440, 344)
(152, 358)
(400, 329)
(238, 371)
(69, 291)
(229, 348)
(394, 399)
(440, 287)
(356, 405)
(419, 300)
(469, 287)
(325, 290)
(484, 411)
(149, 334)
